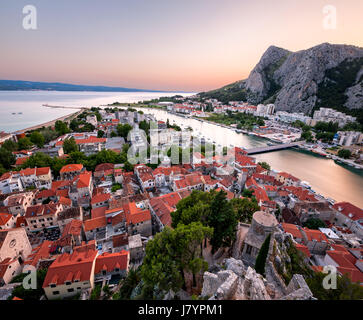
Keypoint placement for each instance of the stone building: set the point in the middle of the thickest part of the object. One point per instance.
(262, 225)
(14, 244)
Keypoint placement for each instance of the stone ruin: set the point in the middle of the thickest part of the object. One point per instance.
(237, 282)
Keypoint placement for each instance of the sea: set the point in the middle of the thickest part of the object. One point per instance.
(24, 109)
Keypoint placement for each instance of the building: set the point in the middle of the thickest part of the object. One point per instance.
(14, 244)
(10, 182)
(145, 177)
(9, 268)
(91, 145)
(42, 216)
(287, 179)
(70, 274)
(69, 171)
(262, 225)
(111, 267)
(349, 216)
(331, 115)
(7, 221)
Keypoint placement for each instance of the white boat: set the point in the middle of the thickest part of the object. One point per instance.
(305, 184)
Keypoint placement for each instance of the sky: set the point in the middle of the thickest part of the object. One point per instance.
(187, 45)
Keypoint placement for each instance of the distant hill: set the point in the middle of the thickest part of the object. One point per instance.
(327, 75)
(57, 86)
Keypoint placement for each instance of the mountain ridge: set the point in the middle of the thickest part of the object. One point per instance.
(303, 80)
(17, 85)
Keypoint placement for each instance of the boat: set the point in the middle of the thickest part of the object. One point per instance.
(13, 113)
(20, 113)
(305, 184)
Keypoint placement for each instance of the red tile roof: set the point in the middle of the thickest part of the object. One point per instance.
(4, 218)
(71, 168)
(40, 252)
(315, 235)
(349, 210)
(292, 229)
(75, 266)
(303, 249)
(84, 180)
(110, 261)
(46, 193)
(92, 224)
(100, 197)
(98, 212)
(91, 139)
(21, 161)
(65, 201)
(41, 210)
(134, 214)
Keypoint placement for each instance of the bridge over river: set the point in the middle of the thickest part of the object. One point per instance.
(274, 147)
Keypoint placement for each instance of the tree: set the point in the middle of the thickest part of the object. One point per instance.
(10, 145)
(123, 130)
(128, 166)
(7, 159)
(247, 193)
(262, 256)
(61, 127)
(194, 208)
(96, 292)
(314, 223)
(173, 252)
(116, 187)
(223, 220)
(70, 145)
(24, 143)
(128, 284)
(37, 138)
(244, 208)
(190, 237)
(346, 289)
(307, 135)
(344, 153)
(160, 266)
(29, 294)
(265, 165)
(100, 133)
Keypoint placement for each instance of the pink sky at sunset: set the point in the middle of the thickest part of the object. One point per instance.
(167, 45)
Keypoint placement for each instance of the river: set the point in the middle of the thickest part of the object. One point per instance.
(324, 175)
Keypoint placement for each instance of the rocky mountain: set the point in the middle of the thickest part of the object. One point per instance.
(327, 75)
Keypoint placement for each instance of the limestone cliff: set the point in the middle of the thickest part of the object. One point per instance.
(327, 75)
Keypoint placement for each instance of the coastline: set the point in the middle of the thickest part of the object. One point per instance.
(67, 118)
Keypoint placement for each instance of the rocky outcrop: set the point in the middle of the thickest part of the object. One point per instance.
(239, 283)
(291, 80)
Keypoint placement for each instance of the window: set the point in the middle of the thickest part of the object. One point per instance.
(249, 249)
(52, 285)
(55, 292)
(68, 283)
(70, 290)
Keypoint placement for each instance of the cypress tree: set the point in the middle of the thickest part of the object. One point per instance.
(262, 256)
